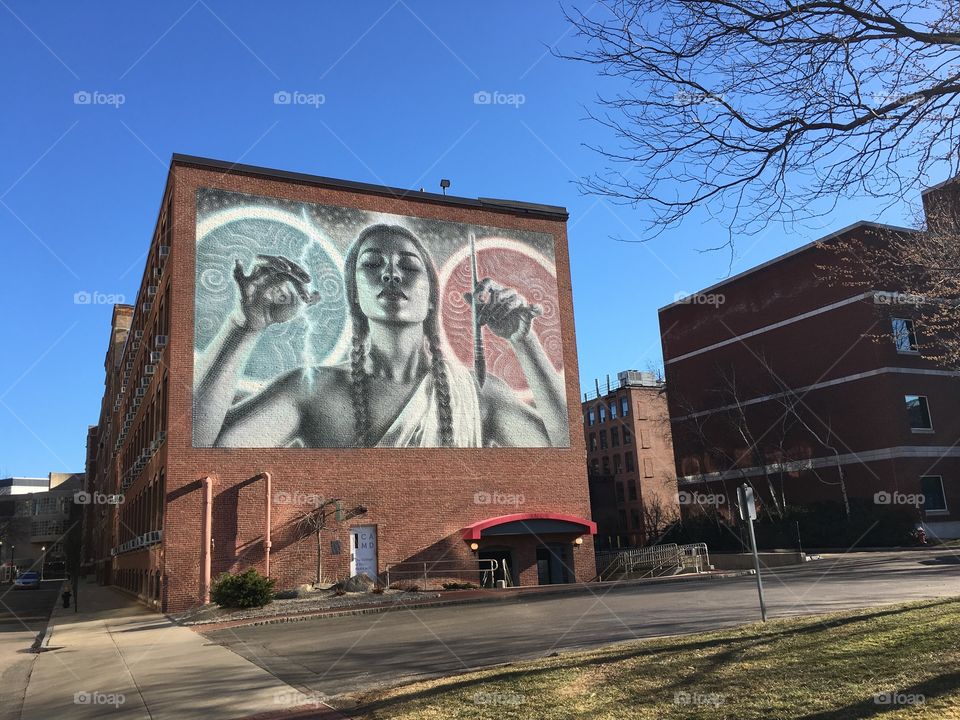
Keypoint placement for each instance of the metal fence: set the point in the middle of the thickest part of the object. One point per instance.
(434, 573)
(653, 560)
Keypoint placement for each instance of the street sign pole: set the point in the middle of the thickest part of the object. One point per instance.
(748, 512)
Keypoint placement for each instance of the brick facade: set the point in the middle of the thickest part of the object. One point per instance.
(418, 499)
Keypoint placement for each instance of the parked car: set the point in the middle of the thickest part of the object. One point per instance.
(27, 581)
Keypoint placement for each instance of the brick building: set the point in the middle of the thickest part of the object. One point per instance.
(249, 387)
(630, 459)
(806, 381)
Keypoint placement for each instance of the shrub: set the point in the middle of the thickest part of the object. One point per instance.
(242, 590)
(378, 589)
(459, 586)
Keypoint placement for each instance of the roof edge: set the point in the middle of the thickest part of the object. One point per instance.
(515, 207)
(789, 253)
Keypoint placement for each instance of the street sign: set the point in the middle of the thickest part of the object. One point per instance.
(747, 504)
(748, 513)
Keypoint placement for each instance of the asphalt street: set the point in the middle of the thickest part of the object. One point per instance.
(337, 656)
(23, 614)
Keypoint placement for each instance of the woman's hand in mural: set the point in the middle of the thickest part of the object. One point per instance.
(273, 292)
(505, 311)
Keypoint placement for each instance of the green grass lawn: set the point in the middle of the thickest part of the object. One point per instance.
(826, 667)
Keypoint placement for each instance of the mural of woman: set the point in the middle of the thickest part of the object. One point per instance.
(398, 389)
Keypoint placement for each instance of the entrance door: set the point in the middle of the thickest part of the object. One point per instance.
(554, 564)
(363, 550)
(503, 571)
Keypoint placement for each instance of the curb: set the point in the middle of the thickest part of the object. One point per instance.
(574, 589)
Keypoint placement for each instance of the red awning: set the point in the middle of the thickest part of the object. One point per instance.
(558, 521)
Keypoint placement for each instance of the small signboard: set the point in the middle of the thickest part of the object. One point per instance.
(746, 502)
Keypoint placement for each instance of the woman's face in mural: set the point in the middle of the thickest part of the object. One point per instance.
(392, 280)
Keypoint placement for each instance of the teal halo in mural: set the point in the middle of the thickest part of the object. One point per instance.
(319, 336)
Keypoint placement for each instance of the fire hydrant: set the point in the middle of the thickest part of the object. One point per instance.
(65, 596)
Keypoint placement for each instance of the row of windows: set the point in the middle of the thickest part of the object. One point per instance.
(57, 505)
(599, 412)
(48, 527)
(636, 522)
(144, 513)
(598, 466)
(145, 583)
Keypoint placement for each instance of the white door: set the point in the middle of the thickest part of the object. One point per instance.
(363, 550)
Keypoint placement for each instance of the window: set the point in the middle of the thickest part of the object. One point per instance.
(613, 410)
(619, 488)
(627, 435)
(591, 418)
(593, 441)
(622, 517)
(595, 466)
(934, 499)
(603, 413)
(606, 465)
(603, 439)
(614, 437)
(635, 518)
(918, 412)
(647, 467)
(632, 489)
(617, 465)
(624, 406)
(628, 458)
(904, 336)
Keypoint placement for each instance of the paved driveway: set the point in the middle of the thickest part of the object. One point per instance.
(340, 655)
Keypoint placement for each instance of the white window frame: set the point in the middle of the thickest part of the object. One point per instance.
(929, 414)
(946, 509)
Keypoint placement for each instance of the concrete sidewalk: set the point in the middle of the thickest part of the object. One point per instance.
(116, 659)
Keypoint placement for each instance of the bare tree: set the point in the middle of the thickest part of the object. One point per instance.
(314, 522)
(771, 110)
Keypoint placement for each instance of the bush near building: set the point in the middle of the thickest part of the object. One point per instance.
(242, 590)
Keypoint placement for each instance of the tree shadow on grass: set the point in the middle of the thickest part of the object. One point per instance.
(939, 686)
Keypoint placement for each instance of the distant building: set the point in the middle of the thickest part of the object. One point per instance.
(21, 485)
(633, 486)
(795, 377)
(34, 525)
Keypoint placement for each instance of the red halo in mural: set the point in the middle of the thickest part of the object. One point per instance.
(514, 265)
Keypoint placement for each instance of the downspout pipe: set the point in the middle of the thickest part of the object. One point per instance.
(207, 541)
(267, 512)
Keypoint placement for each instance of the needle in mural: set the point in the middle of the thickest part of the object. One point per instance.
(326, 326)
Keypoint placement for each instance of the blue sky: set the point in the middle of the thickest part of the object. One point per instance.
(80, 183)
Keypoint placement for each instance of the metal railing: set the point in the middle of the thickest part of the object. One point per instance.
(654, 560)
(482, 572)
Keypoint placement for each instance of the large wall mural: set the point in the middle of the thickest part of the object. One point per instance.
(324, 326)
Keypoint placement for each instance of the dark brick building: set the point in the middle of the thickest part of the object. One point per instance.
(630, 459)
(805, 382)
(503, 481)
